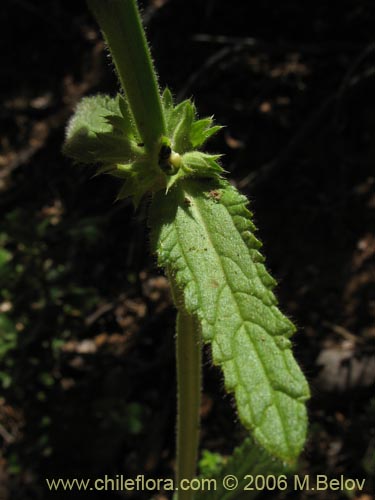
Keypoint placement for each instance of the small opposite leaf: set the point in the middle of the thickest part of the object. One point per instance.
(94, 132)
(196, 164)
(181, 134)
(202, 164)
(248, 459)
(183, 128)
(167, 100)
(204, 237)
(119, 124)
(201, 131)
(138, 179)
(111, 148)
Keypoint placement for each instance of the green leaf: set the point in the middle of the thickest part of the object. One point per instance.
(210, 463)
(118, 124)
(185, 131)
(196, 164)
(173, 115)
(201, 131)
(248, 459)
(204, 237)
(98, 132)
(202, 164)
(167, 101)
(139, 178)
(181, 134)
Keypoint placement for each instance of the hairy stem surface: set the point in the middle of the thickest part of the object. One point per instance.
(121, 25)
(188, 350)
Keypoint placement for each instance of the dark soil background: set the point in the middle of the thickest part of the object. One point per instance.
(87, 375)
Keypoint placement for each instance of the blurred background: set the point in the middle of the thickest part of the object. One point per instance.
(87, 378)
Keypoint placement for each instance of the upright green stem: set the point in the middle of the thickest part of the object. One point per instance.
(121, 25)
(188, 350)
(189, 382)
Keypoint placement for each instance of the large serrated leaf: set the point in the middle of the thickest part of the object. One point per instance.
(204, 237)
(248, 459)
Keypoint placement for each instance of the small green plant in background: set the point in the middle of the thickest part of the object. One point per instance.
(203, 235)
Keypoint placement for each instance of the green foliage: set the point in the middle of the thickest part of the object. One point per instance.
(103, 132)
(186, 132)
(204, 238)
(248, 459)
(210, 463)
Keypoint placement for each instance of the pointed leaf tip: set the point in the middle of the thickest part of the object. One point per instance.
(210, 250)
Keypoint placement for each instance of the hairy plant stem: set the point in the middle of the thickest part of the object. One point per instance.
(121, 25)
(188, 354)
(189, 381)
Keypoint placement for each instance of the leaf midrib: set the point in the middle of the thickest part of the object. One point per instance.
(199, 217)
